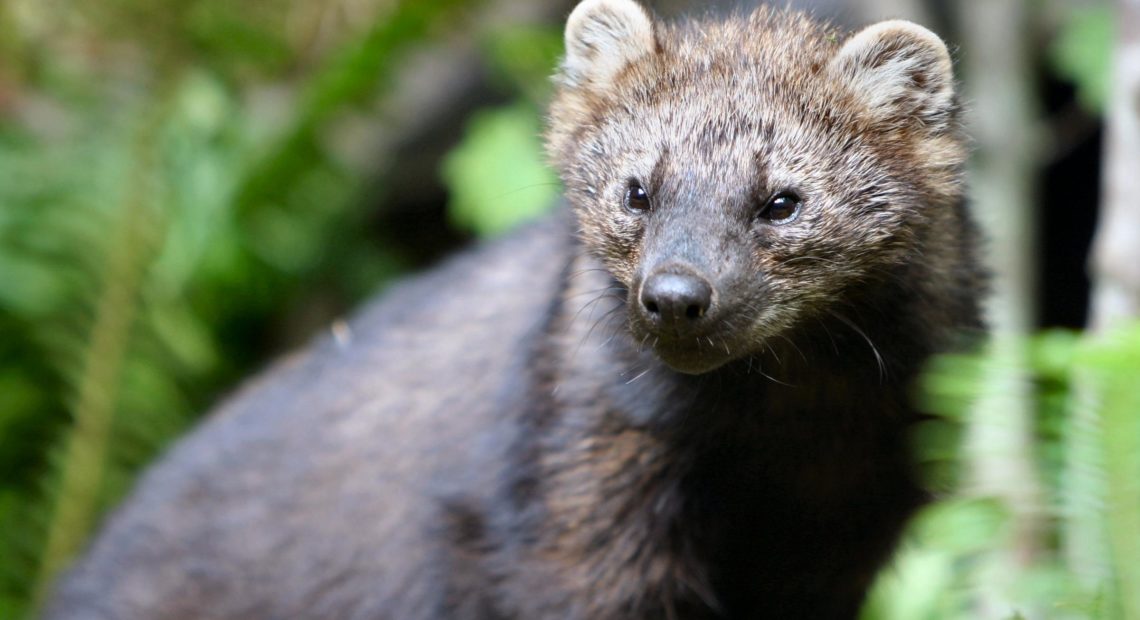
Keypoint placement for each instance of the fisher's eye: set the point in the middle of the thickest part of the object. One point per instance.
(636, 198)
(782, 207)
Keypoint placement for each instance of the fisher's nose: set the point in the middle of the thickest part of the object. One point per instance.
(677, 300)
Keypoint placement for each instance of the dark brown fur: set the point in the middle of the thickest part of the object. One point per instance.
(502, 438)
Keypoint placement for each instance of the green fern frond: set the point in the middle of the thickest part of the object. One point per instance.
(127, 257)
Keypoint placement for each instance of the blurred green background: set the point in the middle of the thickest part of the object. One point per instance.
(189, 188)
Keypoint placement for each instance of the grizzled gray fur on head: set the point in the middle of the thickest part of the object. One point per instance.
(690, 398)
(712, 120)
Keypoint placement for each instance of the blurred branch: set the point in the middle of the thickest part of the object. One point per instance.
(1100, 491)
(999, 440)
(1116, 249)
(1116, 298)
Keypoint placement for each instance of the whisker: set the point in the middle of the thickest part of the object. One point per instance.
(640, 375)
(596, 291)
(603, 318)
(609, 313)
(874, 349)
(760, 371)
(771, 349)
(604, 294)
(587, 270)
(830, 336)
(794, 346)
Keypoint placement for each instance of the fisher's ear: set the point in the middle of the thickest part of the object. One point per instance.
(900, 71)
(602, 38)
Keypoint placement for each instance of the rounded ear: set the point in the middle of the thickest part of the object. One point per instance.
(602, 37)
(900, 71)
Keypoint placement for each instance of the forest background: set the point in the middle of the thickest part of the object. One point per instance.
(189, 188)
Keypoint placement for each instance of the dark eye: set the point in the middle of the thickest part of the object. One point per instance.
(636, 199)
(782, 208)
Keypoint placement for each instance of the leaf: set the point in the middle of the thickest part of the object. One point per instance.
(914, 587)
(1052, 353)
(496, 175)
(961, 525)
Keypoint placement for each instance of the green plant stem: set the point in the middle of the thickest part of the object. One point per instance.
(1122, 460)
(129, 254)
(1083, 480)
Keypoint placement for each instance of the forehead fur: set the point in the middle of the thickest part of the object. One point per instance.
(765, 52)
(771, 66)
(765, 42)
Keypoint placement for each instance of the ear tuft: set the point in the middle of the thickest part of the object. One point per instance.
(900, 71)
(602, 37)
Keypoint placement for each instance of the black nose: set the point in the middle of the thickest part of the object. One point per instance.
(676, 300)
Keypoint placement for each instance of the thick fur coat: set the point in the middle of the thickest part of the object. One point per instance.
(687, 395)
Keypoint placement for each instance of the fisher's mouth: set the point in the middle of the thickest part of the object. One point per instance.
(693, 328)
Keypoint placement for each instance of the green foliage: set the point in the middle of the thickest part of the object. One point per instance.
(496, 176)
(1113, 366)
(949, 550)
(158, 227)
(171, 204)
(1082, 53)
